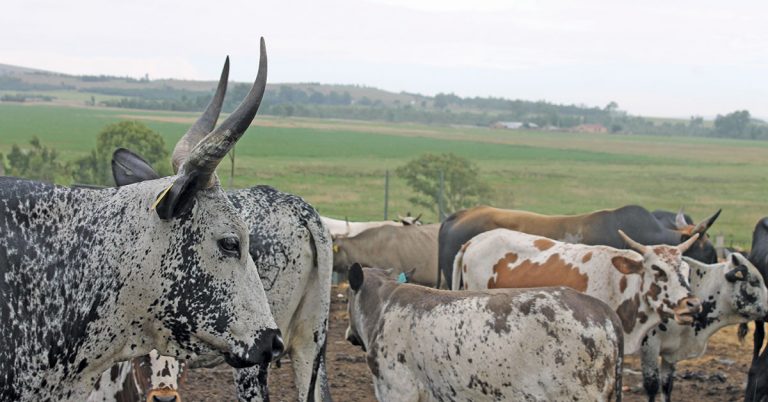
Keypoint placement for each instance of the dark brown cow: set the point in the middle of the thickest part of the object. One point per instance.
(596, 228)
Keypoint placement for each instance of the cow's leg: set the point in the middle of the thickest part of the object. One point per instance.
(397, 385)
(309, 329)
(650, 362)
(251, 384)
(667, 378)
(757, 338)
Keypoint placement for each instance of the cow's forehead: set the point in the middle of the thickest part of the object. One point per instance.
(669, 255)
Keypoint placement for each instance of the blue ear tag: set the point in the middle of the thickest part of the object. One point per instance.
(401, 278)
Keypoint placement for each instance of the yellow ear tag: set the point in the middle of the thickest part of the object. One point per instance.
(739, 275)
(335, 248)
(161, 196)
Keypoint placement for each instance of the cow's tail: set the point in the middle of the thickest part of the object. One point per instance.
(457, 276)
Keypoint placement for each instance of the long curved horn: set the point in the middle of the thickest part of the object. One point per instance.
(704, 225)
(207, 154)
(633, 244)
(684, 246)
(680, 222)
(204, 124)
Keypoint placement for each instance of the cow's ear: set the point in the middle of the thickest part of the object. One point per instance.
(178, 198)
(737, 274)
(130, 168)
(356, 277)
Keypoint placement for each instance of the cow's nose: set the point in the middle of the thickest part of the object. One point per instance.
(278, 347)
(267, 347)
(171, 398)
(693, 304)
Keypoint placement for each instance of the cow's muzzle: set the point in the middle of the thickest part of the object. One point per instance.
(163, 395)
(687, 309)
(269, 346)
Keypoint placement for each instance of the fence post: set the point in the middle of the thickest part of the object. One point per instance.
(440, 213)
(720, 246)
(386, 194)
(232, 170)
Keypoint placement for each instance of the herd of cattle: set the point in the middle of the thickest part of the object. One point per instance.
(114, 294)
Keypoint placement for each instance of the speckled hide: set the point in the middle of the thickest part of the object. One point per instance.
(731, 292)
(292, 252)
(547, 344)
(92, 277)
(644, 290)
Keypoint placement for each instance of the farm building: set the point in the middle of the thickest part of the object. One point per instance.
(590, 128)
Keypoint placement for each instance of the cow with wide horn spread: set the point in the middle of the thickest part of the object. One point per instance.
(92, 277)
(292, 252)
(595, 228)
(645, 286)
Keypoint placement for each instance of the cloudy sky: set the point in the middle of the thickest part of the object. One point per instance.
(660, 58)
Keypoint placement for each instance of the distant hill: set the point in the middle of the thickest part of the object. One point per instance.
(22, 84)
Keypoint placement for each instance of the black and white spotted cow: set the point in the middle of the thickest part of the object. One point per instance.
(544, 344)
(92, 277)
(292, 251)
(731, 292)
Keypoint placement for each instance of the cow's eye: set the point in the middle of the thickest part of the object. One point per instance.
(230, 246)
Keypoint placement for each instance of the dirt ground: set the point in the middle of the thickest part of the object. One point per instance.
(719, 375)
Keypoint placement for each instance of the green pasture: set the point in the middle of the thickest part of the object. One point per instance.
(339, 166)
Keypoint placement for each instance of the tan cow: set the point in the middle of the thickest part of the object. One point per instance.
(644, 289)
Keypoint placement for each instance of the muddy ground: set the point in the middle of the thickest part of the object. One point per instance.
(719, 375)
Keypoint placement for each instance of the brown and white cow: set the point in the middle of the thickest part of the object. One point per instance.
(151, 378)
(423, 344)
(644, 289)
(594, 228)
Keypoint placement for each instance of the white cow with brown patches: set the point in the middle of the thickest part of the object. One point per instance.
(422, 344)
(644, 289)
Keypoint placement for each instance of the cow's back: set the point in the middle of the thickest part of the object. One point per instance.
(514, 344)
(595, 228)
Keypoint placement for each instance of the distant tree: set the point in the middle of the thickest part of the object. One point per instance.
(2, 165)
(463, 186)
(96, 169)
(38, 163)
(736, 124)
(611, 106)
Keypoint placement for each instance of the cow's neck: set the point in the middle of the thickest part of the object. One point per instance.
(60, 271)
(706, 284)
(373, 301)
(637, 315)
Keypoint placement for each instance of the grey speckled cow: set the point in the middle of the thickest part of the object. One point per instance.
(545, 344)
(292, 251)
(92, 277)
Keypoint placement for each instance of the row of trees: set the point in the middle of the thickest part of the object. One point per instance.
(441, 183)
(40, 162)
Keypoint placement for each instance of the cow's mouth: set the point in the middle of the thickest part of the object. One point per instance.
(685, 318)
(163, 395)
(687, 310)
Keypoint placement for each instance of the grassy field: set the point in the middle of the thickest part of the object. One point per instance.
(339, 166)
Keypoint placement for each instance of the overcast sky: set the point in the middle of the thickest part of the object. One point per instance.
(660, 58)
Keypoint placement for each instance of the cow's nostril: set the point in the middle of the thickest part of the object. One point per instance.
(693, 304)
(278, 347)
